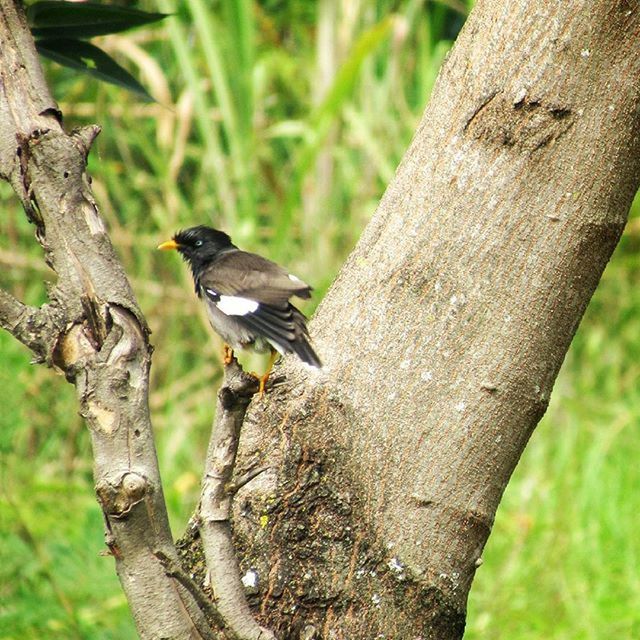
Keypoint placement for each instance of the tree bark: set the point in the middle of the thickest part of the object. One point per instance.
(92, 330)
(445, 330)
(442, 335)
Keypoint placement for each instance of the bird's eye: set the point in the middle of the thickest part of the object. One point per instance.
(198, 243)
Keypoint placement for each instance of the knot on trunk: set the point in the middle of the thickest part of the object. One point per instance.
(118, 497)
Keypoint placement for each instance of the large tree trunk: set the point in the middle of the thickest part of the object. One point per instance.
(445, 330)
(442, 335)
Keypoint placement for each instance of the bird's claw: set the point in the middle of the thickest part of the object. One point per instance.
(262, 382)
(227, 354)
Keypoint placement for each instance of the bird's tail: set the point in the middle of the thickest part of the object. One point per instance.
(303, 349)
(301, 345)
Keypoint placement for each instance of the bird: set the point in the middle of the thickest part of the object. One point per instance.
(246, 297)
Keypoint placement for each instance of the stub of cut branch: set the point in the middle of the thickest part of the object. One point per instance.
(215, 505)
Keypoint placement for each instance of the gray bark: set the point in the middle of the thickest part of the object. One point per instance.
(214, 512)
(445, 330)
(92, 330)
(442, 335)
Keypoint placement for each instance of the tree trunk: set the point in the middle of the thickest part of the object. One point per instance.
(442, 336)
(445, 330)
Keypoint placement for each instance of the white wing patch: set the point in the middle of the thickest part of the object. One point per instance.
(236, 306)
(294, 278)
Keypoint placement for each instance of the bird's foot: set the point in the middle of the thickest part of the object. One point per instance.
(263, 384)
(227, 354)
(262, 381)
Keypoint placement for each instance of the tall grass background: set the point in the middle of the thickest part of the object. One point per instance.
(282, 123)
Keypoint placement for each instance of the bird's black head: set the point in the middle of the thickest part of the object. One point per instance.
(199, 246)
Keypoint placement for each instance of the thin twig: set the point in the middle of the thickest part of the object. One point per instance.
(235, 485)
(215, 505)
(174, 570)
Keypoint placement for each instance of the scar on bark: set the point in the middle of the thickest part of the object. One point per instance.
(525, 124)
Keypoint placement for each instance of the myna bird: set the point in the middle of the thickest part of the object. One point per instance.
(246, 296)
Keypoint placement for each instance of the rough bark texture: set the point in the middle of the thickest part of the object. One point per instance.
(442, 335)
(92, 330)
(445, 330)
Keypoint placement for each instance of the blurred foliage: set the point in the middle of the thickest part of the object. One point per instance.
(282, 123)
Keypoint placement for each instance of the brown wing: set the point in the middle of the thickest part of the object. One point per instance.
(247, 275)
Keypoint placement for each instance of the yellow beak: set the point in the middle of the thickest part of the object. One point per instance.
(168, 245)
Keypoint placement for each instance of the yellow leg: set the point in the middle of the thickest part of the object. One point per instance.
(265, 377)
(227, 354)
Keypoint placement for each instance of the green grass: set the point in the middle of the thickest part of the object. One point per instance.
(262, 133)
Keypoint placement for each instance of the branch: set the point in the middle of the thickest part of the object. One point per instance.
(24, 323)
(215, 505)
(174, 569)
(93, 330)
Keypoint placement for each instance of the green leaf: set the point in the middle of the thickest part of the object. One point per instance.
(86, 57)
(58, 19)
